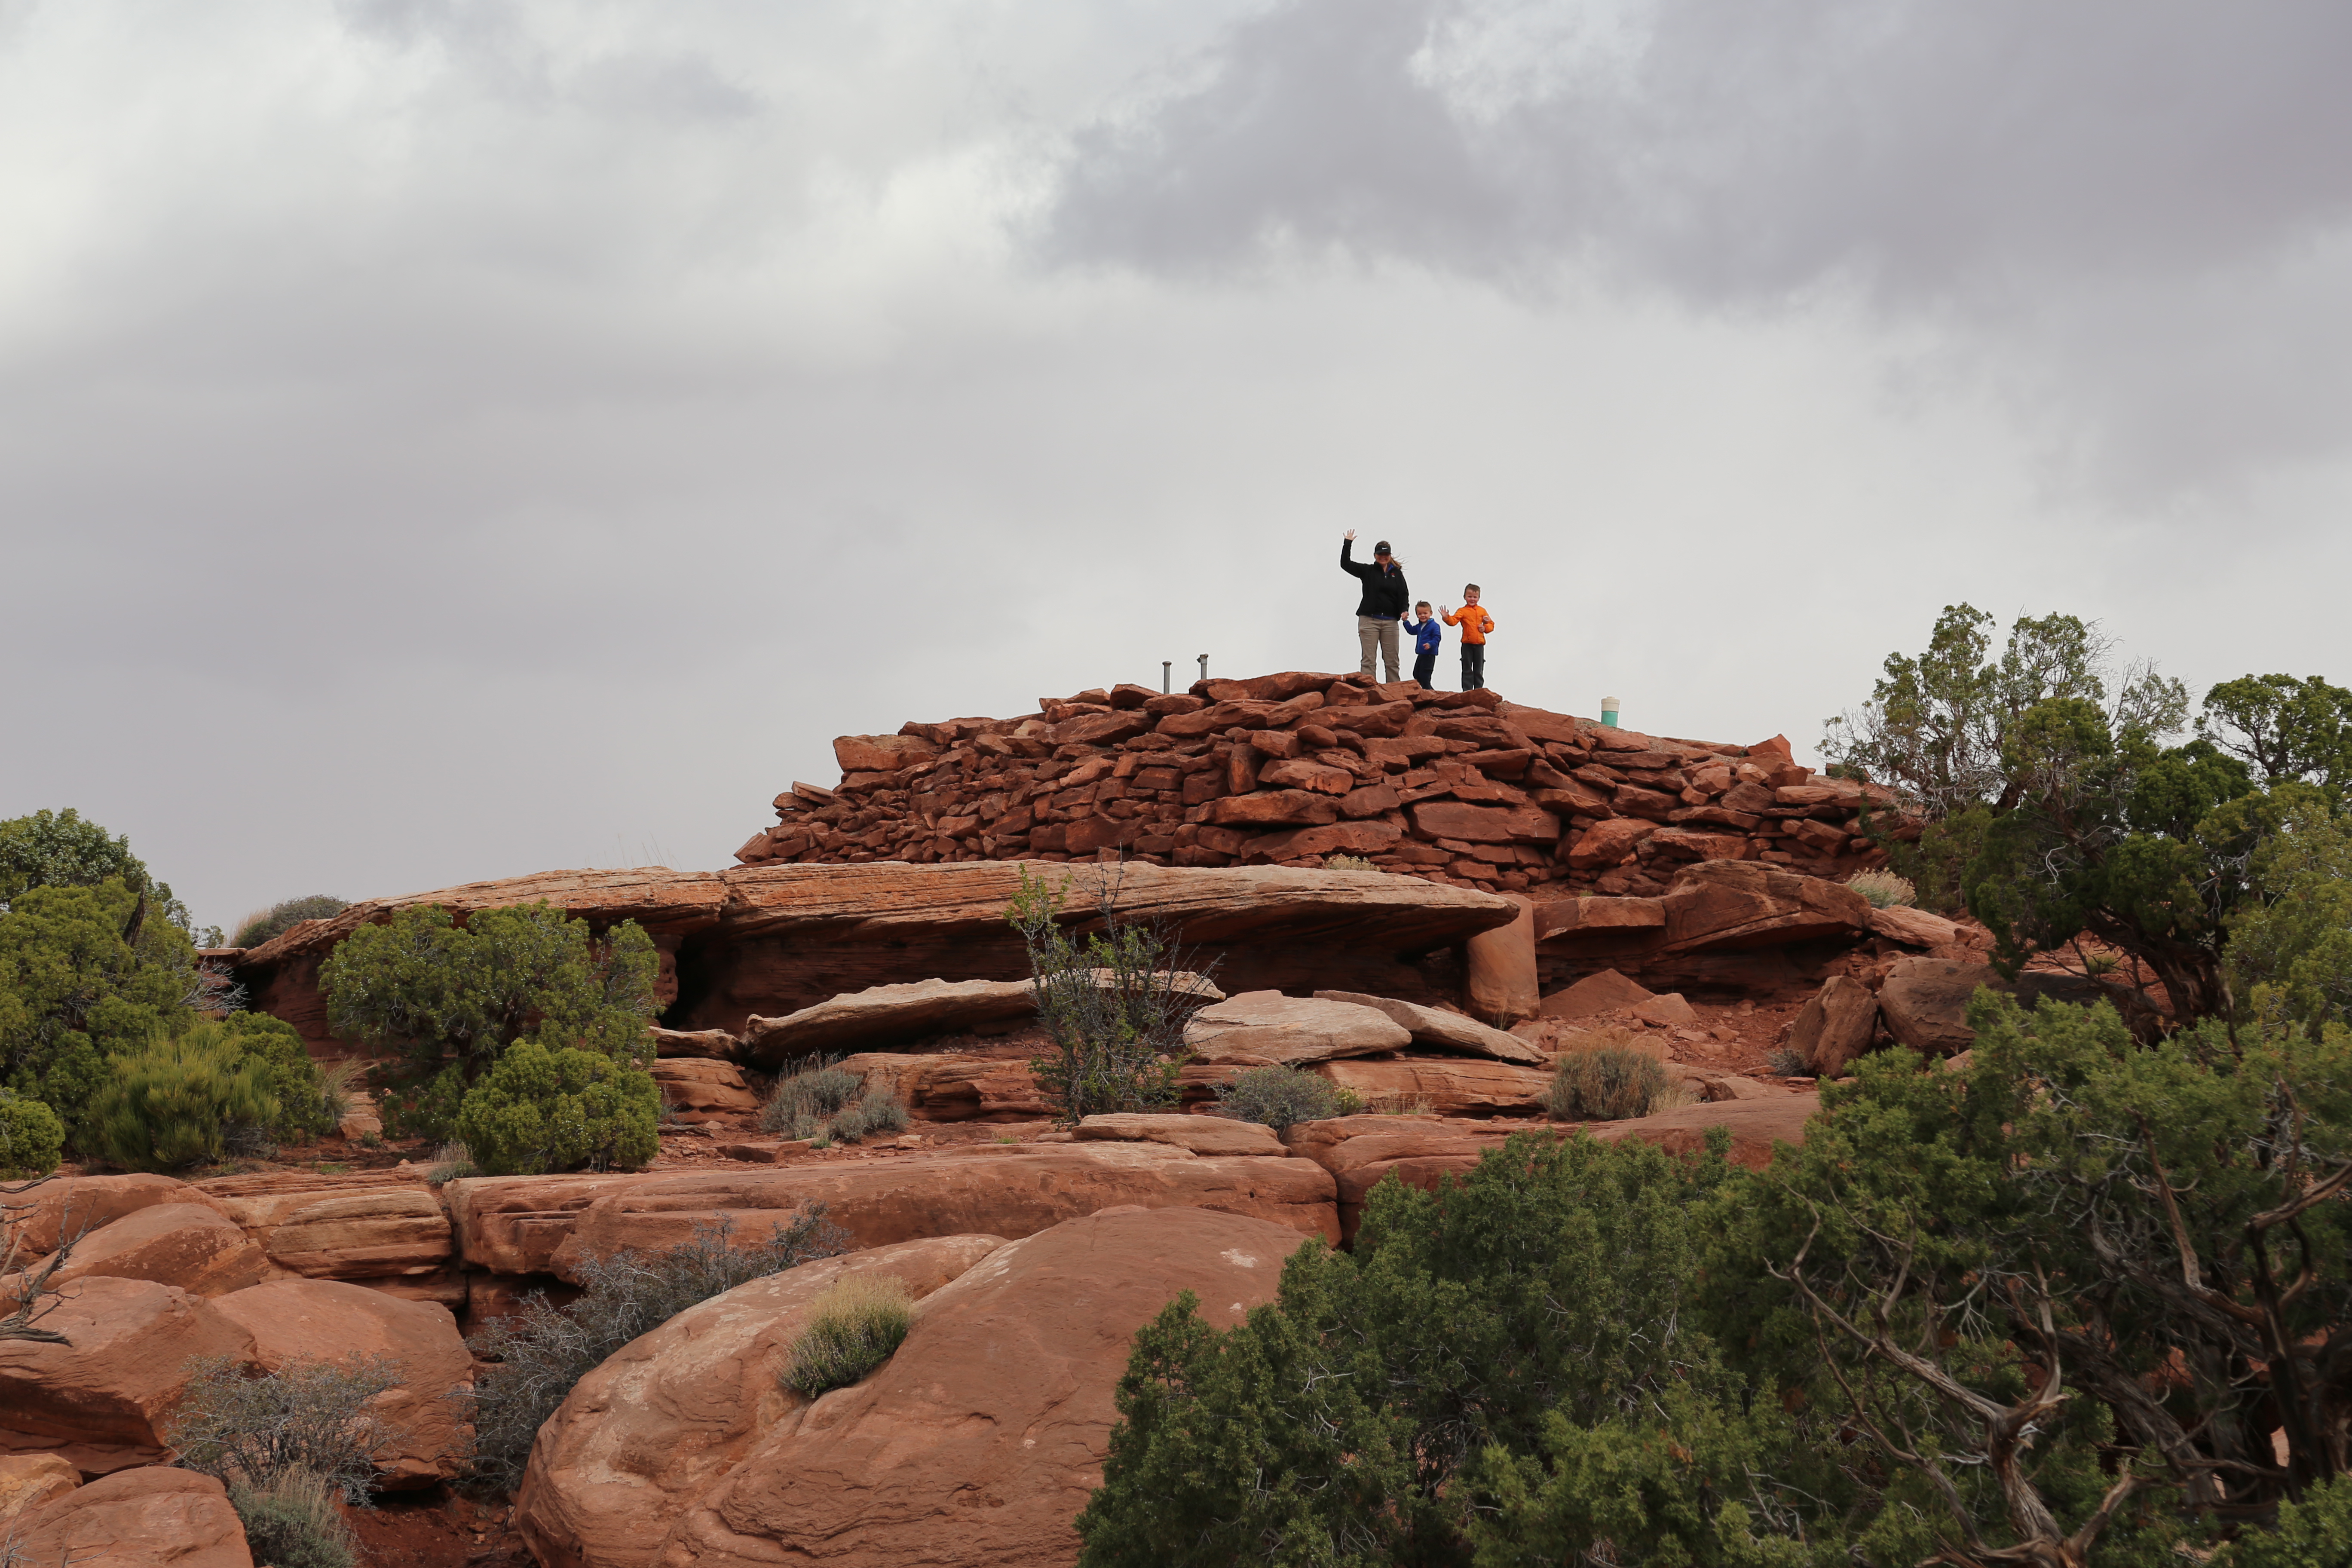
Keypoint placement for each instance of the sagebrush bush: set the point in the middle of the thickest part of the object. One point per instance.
(1884, 890)
(293, 1523)
(1610, 1084)
(876, 1111)
(32, 1138)
(283, 917)
(309, 1418)
(451, 1162)
(804, 1099)
(173, 1103)
(539, 1110)
(542, 1351)
(1275, 1096)
(859, 1323)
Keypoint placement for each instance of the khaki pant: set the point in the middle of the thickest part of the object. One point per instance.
(1372, 632)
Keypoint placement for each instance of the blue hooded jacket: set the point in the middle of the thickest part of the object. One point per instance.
(1428, 636)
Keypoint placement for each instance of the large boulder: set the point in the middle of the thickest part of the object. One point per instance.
(1728, 905)
(1446, 1031)
(147, 1518)
(987, 1189)
(329, 1319)
(1835, 1026)
(647, 1433)
(1266, 1028)
(699, 1089)
(73, 1206)
(193, 1246)
(1499, 968)
(103, 1398)
(28, 1480)
(981, 1438)
(1925, 1001)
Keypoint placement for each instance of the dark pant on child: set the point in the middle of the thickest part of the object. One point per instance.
(1474, 665)
(1424, 665)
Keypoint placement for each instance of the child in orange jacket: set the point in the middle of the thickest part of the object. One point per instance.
(1476, 624)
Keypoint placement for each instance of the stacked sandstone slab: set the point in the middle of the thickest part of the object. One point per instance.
(1290, 769)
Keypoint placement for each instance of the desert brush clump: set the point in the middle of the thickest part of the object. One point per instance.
(179, 1102)
(308, 1417)
(293, 1522)
(563, 1110)
(1884, 889)
(284, 916)
(1277, 1096)
(542, 1351)
(858, 1324)
(1348, 863)
(1610, 1083)
(821, 1101)
(1114, 1004)
(451, 1162)
(872, 1114)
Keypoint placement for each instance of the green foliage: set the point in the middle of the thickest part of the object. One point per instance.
(2314, 1533)
(308, 1418)
(1511, 1368)
(2135, 1254)
(541, 1350)
(1608, 1084)
(2292, 939)
(2294, 730)
(287, 1072)
(61, 849)
(293, 1523)
(176, 1103)
(31, 1137)
(857, 1324)
(283, 917)
(441, 996)
(540, 1110)
(1114, 1005)
(1277, 1097)
(85, 973)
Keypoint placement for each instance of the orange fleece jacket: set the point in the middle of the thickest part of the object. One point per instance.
(1475, 621)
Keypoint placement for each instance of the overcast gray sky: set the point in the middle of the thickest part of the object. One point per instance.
(442, 440)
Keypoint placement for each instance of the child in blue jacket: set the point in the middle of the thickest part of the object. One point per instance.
(1427, 636)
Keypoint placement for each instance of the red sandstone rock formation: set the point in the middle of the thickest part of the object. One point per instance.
(1292, 768)
(148, 1518)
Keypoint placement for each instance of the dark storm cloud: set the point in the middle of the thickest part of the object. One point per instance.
(2140, 197)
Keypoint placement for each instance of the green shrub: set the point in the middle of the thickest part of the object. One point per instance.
(308, 1418)
(1277, 1096)
(1884, 890)
(542, 1351)
(281, 918)
(2314, 1534)
(86, 974)
(287, 1071)
(1114, 1005)
(539, 1110)
(64, 849)
(1608, 1084)
(447, 1000)
(31, 1137)
(177, 1102)
(859, 1323)
(293, 1523)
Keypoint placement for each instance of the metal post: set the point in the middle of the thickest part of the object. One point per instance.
(1165, 665)
(1609, 712)
(1204, 666)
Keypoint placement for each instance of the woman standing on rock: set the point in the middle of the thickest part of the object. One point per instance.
(1384, 604)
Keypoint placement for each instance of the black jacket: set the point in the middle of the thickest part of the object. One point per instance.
(1385, 596)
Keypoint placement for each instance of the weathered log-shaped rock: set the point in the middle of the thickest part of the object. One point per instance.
(1266, 1028)
(1448, 1031)
(1721, 905)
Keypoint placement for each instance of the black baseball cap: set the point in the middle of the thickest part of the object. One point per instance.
(1382, 548)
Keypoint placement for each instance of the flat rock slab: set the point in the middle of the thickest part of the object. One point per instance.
(1598, 916)
(1914, 928)
(980, 1441)
(712, 1045)
(1266, 1029)
(988, 1190)
(1447, 1031)
(152, 1517)
(1449, 1086)
(643, 1436)
(1728, 905)
(1200, 1134)
(885, 1016)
